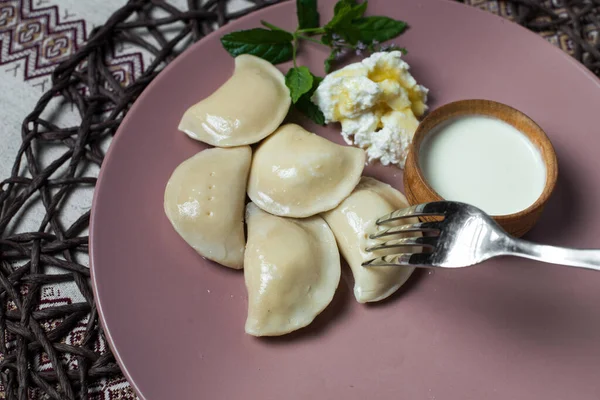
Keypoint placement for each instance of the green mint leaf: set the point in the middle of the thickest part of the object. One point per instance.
(316, 82)
(379, 29)
(346, 12)
(273, 46)
(342, 22)
(308, 16)
(311, 110)
(342, 4)
(307, 107)
(300, 81)
(351, 34)
(357, 10)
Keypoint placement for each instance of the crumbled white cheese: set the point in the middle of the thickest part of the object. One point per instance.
(377, 101)
(389, 144)
(346, 96)
(365, 124)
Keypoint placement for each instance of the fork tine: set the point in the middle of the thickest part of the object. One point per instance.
(419, 227)
(436, 208)
(422, 241)
(403, 259)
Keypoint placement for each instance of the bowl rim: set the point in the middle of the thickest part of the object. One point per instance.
(482, 106)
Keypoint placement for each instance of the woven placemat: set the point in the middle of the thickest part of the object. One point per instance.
(32, 336)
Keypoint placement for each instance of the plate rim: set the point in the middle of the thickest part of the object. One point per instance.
(126, 120)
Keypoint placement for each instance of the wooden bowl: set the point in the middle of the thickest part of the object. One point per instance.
(418, 190)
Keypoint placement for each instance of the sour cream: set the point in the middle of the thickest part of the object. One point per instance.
(485, 162)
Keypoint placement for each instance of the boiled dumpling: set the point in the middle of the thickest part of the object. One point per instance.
(352, 222)
(244, 110)
(204, 200)
(296, 173)
(291, 268)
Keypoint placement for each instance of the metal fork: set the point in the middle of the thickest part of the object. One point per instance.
(465, 236)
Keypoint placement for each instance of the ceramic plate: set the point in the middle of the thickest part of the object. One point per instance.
(508, 329)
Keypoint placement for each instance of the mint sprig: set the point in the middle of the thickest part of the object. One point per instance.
(273, 46)
(344, 20)
(307, 107)
(379, 29)
(348, 31)
(308, 15)
(299, 80)
(341, 4)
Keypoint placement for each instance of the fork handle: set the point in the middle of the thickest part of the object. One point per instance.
(582, 258)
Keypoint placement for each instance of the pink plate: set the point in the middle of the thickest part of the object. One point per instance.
(509, 329)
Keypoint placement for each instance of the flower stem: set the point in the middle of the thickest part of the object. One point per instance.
(310, 39)
(271, 26)
(311, 30)
(294, 48)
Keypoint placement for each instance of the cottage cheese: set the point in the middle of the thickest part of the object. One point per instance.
(377, 101)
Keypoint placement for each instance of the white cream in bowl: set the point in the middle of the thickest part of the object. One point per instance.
(485, 162)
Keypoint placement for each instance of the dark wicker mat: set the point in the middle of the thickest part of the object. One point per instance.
(30, 333)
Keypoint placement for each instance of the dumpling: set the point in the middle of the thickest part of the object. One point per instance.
(204, 200)
(291, 268)
(352, 222)
(244, 110)
(296, 173)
